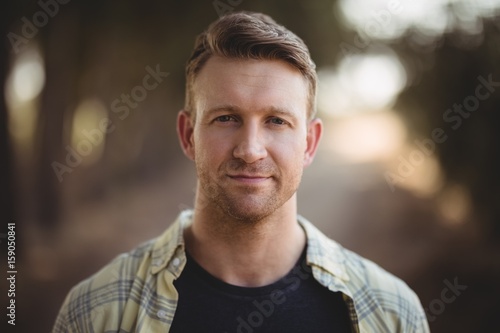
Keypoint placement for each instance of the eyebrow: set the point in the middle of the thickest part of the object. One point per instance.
(234, 108)
(223, 107)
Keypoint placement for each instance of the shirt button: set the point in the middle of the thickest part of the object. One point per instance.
(161, 314)
(176, 262)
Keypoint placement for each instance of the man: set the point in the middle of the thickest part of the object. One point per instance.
(243, 260)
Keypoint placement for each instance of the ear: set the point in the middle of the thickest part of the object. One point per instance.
(185, 130)
(314, 131)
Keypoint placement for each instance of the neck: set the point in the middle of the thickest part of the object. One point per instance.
(249, 254)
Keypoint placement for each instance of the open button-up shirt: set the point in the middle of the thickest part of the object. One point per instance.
(136, 293)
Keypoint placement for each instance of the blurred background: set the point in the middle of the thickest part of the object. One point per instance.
(407, 169)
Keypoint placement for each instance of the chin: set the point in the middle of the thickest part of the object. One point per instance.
(247, 217)
(248, 214)
(246, 207)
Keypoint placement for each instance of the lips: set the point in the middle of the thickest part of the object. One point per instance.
(244, 175)
(249, 179)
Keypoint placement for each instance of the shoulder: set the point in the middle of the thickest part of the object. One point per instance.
(377, 295)
(116, 294)
(375, 290)
(385, 287)
(124, 267)
(105, 292)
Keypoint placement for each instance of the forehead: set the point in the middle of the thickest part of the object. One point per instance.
(250, 84)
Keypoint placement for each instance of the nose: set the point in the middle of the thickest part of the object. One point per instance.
(250, 147)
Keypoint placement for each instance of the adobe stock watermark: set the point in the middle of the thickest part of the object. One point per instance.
(448, 295)
(120, 106)
(454, 116)
(30, 28)
(380, 19)
(266, 308)
(11, 272)
(223, 8)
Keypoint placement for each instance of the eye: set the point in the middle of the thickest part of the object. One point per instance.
(277, 121)
(224, 119)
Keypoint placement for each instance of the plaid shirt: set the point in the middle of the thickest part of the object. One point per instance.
(135, 292)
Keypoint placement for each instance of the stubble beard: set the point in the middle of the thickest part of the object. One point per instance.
(247, 206)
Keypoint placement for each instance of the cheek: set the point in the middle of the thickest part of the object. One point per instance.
(288, 153)
(210, 148)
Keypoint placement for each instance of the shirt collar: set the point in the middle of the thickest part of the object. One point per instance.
(324, 252)
(169, 249)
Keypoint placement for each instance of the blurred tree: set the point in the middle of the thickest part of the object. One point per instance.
(470, 154)
(8, 193)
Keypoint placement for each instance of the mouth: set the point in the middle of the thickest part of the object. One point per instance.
(249, 179)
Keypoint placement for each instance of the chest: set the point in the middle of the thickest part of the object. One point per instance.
(296, 303)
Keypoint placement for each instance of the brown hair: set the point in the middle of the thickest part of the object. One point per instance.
(247, 35)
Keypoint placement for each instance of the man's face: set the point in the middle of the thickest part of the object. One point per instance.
(251, 138)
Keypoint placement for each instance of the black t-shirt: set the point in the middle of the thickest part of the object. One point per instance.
(296, 303)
